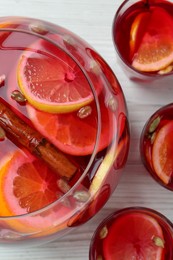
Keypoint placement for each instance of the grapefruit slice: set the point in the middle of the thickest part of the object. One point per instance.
(72, 134)
(162, 153)
(133, 236)
(156, 48)
(52, 82)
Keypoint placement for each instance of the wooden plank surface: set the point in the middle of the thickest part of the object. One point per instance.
(92, 20)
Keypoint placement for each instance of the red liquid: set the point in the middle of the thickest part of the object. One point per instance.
(114, 128)
(156, 125)
(129, 33)
(103, 245)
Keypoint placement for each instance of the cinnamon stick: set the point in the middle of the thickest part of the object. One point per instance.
(31, 139)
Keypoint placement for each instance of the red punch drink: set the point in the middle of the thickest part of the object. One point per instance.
(143, 38)
(64, 133)
(133, 233)
(157, 146)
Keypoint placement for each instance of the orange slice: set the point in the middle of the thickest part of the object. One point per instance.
(27, 185)
(71, 133)
(156, 48)
(134, 236)
(137, 31)
(52, 82)
(162, 153)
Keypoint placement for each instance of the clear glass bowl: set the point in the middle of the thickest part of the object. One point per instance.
(41, 56)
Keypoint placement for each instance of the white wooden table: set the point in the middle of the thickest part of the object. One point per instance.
(92, 20)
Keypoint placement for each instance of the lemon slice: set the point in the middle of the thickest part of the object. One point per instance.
(52, 82)
(106, 166)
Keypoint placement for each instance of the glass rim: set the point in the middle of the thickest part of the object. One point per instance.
(140, 209)
(134, 209)
(98, 132)
(147, 74)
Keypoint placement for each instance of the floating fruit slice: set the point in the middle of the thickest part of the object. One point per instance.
(137, 31)
(72, 133)
(111, 158)
(134, 236)
(52, 82)
(26, 185)
(162, 153)
(156, 48)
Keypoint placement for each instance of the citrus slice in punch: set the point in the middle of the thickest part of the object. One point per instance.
(52, 82)
(137, 31)
(162, 153)
(27, 185)
(134, 236)
(71, 133)
(155, 51)
(111, 160)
